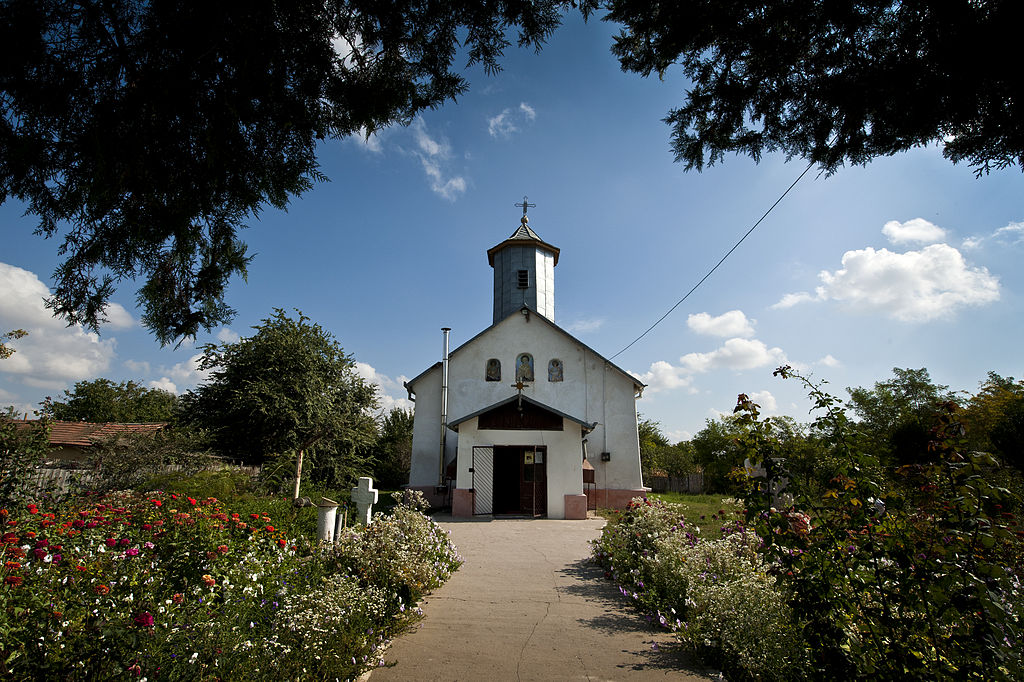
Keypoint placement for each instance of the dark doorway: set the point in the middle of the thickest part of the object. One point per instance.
(520, 480)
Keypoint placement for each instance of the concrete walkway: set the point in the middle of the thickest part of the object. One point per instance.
(527, 605)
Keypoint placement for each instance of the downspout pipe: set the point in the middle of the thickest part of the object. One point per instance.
(444, 408)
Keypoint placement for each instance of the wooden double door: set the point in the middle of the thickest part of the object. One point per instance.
(520, 480)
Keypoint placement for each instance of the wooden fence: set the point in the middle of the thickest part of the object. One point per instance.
(694, 483)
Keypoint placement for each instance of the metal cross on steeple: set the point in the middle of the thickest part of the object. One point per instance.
(525, 205)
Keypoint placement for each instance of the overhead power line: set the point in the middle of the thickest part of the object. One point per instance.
(719, 263)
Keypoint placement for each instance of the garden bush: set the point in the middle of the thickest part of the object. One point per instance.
(716, 595)
(174, 587)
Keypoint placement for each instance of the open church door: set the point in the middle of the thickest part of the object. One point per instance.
(483, 479)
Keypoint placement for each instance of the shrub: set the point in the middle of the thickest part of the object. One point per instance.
(171, 586)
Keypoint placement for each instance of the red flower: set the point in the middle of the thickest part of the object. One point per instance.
(270, 529)
(254, 516)
(40, 552)
(78, 523)
(223, 549)
(157, 503)
(144, 619)
(101, 589)
(12, 565)
(281, 543)
(209, 580)
(111, 542)
(81, 568)
(13, 580)
(177, 597)
(193, 501)
(30, 534)
(10, 539)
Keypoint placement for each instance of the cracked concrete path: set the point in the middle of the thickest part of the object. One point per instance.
(527, 605)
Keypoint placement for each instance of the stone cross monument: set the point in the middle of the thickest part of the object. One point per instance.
(364, 496)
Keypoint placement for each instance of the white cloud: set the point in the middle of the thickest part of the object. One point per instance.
(434, 154)
(53, 355)
(829, 361)
(225, 335)
(663, 376)
(790, 300)
(732, 323)
(503, 125)
(165, 384)
(1013, 233)
(585, 325)
(138, 366)
(386, 386)
(735, 354)
(370, 142)
(182, 376)
(915, 286)
(917, 230)
(678, 436)
(118, 317)
(767, 402)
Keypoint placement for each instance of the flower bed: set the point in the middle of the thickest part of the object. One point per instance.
(167, 587)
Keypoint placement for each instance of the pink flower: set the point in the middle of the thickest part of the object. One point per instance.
(144, 619)
(134, 551)
(111, 542)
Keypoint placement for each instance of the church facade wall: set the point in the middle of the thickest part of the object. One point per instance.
(589, 390)
(563, 460)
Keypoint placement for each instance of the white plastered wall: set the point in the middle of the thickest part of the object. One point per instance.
(564, 462)
(591, 391)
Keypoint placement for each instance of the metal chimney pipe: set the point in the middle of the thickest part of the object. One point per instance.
(444, 406)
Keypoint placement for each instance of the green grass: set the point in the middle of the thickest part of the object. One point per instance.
(704, 510)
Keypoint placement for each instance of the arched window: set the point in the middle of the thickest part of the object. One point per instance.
(493, 369)
(555, 370)
(524, 367)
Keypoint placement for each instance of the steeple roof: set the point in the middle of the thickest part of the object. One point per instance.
(523, 236)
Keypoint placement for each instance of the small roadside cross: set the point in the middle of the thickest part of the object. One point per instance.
(525, 205)
(364, 495)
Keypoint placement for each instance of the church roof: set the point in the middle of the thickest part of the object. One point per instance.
(587, 426)
(524, 235)
(636, 382)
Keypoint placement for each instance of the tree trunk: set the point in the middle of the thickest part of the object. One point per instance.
(298, 476)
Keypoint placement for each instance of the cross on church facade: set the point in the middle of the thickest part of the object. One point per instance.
(525, 205)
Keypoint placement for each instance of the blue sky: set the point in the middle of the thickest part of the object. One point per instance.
(908, 262)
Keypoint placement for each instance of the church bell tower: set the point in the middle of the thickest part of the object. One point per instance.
(524, 272)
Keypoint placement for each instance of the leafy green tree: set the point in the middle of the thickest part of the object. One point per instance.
(716, 451)
(23, 445)
(5, 350)
(653, 443)
(287, 391)
(392, 453)
(834, 82)
(145, 133)
(101, 400)
(994, 418)
(897, 415)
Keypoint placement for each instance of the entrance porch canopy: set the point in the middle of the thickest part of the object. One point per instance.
(520, 412)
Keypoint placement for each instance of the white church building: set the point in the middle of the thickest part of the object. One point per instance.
(512, 421)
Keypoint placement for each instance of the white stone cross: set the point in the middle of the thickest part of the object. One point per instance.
(364, 496)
